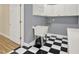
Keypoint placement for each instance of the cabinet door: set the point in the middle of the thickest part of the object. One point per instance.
(49, 10)
(62, 10)
(65, 10)
(54, 10)
(59, 10)
(70, 10)
(38, 9)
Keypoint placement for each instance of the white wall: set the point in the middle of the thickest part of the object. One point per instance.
(4, 19)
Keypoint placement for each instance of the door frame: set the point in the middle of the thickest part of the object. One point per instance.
(22, 24)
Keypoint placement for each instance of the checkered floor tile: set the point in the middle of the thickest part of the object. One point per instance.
(54, 45)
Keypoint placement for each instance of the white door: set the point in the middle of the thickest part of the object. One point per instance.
(15, 23)
(73, 40)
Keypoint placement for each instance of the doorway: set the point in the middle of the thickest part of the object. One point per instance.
(11, 27)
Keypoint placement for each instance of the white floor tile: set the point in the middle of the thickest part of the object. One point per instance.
(64, 45)
(58, 41)
(56, 47)
(59, 36)
(52, 38)
(21, 50)
(48, 34)
(33, 49)
(50, 42)
(65, 40)
(62, 52)
(50, 53)
(25, 44)
(45, 48)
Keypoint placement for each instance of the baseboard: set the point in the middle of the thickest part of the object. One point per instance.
(32, 43)
(26, 44)
(29, 44)
(10, 52)
(4, 35)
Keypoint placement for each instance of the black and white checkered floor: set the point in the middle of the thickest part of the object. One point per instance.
(53, 45)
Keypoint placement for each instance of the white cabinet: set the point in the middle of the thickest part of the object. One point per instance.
(49, 10)
(56, 10)
(70, 9)
(38, 9)
(59, 9)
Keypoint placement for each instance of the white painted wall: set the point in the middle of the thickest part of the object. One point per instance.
(4, 19)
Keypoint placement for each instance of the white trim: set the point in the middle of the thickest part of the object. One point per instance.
(26, 44)
(29, 44)
(32, 43)
(10, 52)
(22, 24)
(7, 36)
(4, 35)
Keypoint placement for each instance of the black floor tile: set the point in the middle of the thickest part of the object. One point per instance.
(28, 52)
(64, 42)
(65, 38)
(37, 46)
(51, 39)
(27, 47)
(47, 36)
(41, 52)
(64, 49)
(17, 48)
(56, 43)
(54, 51)
(47, 44)
(53, 36)
(14, 53)
(58, 39)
